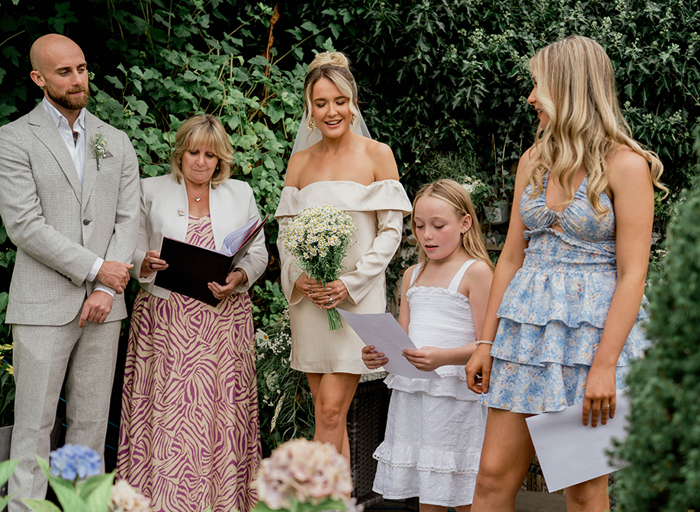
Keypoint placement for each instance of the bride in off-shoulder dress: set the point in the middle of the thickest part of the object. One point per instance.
(347, 169)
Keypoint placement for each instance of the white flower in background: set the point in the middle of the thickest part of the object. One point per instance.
(471, 184)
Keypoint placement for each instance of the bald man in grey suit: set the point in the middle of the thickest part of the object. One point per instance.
(72, 211)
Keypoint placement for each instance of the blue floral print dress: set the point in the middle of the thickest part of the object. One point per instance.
(553, 313)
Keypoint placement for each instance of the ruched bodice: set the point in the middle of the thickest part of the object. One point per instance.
(579, 220)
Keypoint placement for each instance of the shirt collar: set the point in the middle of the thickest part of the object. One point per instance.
(56, 116)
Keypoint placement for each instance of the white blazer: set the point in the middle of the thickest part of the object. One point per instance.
(165, 212)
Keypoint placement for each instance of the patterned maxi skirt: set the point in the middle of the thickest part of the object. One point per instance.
(190, 434)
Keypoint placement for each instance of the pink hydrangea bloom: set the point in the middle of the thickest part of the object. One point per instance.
(125, 499)
(308, 471)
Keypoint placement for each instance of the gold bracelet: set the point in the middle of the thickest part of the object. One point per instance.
(243, 275)
(484, 342)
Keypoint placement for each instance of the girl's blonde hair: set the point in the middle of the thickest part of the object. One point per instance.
(576, 90)
(458, 198)
(336, 68)
(198, 131)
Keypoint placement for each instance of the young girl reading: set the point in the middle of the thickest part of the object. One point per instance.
(435, 427)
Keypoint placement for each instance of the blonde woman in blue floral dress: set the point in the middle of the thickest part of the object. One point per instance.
(567, 300)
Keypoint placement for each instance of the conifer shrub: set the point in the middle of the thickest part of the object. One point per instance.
(663, 446)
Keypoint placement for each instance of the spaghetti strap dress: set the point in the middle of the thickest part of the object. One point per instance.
(554, 310)
(435, 427)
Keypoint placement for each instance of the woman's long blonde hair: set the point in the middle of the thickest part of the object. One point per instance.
(576, 90)
(458, 198)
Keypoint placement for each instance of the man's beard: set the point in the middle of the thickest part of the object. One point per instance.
(66, 101)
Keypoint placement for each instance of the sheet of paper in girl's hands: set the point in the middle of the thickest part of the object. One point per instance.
(389, 338)
(570, 453)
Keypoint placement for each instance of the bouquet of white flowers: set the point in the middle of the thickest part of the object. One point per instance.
(319, 238)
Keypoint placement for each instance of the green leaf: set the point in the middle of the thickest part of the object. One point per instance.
(328, 504)
(7, 467)
(96, 491)
(328, 45)
(11, 53)
(307, 25)
(65, 491)
(6, 499)
(41, 505)
(6, 110)
(115, 81)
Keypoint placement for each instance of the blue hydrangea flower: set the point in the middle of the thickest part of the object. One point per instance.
(71, 461)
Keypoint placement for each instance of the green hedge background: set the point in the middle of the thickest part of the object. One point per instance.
(443, 82)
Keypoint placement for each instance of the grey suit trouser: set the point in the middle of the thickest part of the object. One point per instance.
(42, 355)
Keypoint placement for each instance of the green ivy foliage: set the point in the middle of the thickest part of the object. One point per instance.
(154, 66)
(444, 75)
(663, 446)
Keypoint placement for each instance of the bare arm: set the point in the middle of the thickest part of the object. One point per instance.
(384, 162)
(633, 203)
(510, 261)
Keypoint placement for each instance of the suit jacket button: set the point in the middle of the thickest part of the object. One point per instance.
(86, 222)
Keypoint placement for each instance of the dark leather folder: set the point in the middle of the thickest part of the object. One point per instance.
(191, 267)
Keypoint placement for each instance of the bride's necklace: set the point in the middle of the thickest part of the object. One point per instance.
(198, 197)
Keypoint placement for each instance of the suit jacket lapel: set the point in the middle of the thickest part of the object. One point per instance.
(92, 125)
(48, 134)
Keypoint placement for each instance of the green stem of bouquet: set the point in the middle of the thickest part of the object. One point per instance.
(334, 320)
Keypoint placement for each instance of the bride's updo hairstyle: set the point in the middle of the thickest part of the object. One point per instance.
(576, 89)
(335, 67)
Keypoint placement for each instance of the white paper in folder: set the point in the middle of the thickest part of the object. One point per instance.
(388, 337)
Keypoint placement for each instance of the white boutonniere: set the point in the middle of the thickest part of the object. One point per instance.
(99, 147)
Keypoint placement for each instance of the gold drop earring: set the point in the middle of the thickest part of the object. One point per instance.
(311, 124)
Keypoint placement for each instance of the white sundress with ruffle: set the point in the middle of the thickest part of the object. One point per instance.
(555, 308)
(435, 427)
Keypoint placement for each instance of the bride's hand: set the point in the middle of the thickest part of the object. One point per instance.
(330, 295)
(304, 284)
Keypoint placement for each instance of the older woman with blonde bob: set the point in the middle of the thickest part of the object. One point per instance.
(565, 312)
(189, 434)
(342, 166)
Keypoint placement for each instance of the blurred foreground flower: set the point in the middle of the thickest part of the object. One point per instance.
(75, 461)
(74, 475)
(126, 499)
(304, 475)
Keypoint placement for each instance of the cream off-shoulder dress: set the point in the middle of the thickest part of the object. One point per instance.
(378, 210)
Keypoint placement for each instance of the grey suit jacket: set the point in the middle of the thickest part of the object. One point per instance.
(59, 227)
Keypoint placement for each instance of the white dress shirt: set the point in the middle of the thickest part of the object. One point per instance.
(77, 153)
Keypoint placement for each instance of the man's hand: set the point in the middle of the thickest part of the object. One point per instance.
(96, 308)
(114, 274)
